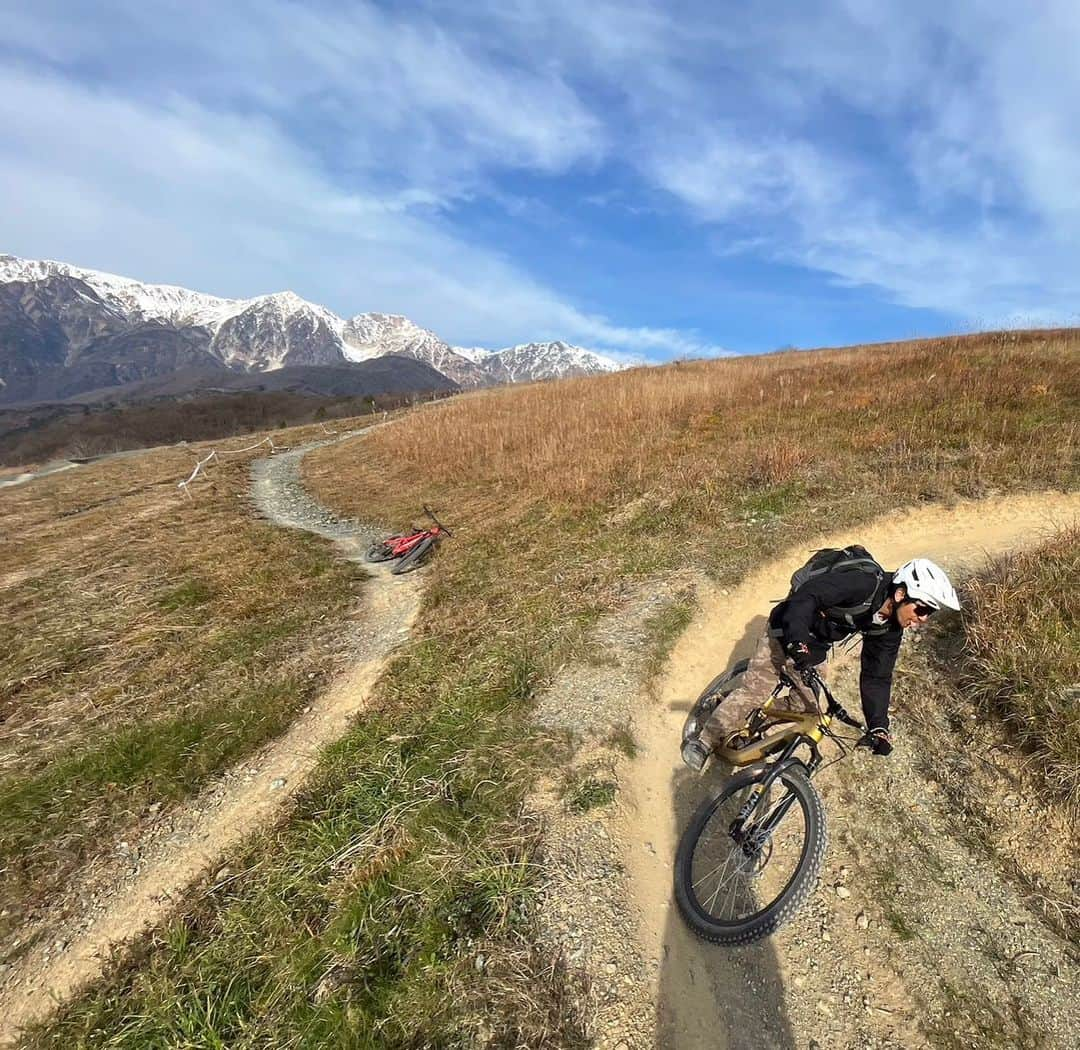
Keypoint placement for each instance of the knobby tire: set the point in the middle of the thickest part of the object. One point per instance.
(795, 893)
(415, 557)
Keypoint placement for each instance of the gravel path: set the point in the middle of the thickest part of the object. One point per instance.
(122, 896)
(279, 494)
(910, 941)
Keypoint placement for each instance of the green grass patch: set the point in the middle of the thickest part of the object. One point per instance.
(772, 501)
(189, 595)
(622, 740)
(159, 761)
(585, 792)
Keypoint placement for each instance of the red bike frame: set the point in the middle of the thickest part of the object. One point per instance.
(399, 546)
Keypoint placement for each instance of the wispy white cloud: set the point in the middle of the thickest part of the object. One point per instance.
(377, 90)
(924, 151)
(229, 205)
(963, 200)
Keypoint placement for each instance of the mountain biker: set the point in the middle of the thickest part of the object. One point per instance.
(802, 629)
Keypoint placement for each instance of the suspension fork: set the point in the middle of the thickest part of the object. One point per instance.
(759, 790)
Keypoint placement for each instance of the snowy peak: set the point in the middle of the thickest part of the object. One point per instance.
(368, 335)
(551, 360)
(273, 331)
(374, 334)
(141, 302)
(477, 354)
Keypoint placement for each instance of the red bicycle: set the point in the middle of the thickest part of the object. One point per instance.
(413, 548)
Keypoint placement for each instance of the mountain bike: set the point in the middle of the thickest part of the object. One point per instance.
(752, 852)
(412, 548)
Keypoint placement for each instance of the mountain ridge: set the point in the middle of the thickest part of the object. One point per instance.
(54, 315)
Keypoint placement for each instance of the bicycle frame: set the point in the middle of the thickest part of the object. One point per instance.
(401, 545)
(808, 726)
(801, 729)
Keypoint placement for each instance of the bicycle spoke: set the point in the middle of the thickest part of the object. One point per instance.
(732, 897)
(734, 881)
(709, 874)
(720, 882)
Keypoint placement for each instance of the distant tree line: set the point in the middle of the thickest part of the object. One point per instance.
(65, 431)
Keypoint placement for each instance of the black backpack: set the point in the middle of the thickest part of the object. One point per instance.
(830, 559)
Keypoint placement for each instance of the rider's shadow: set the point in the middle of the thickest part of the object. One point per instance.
(711, 995)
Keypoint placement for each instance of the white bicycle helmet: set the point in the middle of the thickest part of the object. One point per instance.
(927, 583)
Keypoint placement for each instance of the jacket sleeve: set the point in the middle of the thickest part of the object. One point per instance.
(827, 591)
(879, 653)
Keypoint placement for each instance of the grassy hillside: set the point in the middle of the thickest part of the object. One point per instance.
(397, 909)
(149, 641)
(1021, 655)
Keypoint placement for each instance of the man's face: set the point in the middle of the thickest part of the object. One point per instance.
(909, 614)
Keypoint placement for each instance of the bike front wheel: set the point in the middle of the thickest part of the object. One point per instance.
(415, 558)
(381, 551)
(736, 892)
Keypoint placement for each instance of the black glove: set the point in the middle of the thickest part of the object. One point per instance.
(800, 655)
(878, 740)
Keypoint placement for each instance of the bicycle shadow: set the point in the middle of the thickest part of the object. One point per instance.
(709, 995)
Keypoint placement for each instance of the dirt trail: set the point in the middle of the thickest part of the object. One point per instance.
(123, 897)
(719, 997)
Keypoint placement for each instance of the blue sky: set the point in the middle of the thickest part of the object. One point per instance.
(654, 179)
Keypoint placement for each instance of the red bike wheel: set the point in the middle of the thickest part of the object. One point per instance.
(415, 557)
(381, 551)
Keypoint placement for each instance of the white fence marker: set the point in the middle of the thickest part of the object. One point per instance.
(214, 453)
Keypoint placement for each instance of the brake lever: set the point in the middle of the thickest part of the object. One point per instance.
(837, 711)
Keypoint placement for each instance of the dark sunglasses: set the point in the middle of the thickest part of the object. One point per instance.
(921, 610)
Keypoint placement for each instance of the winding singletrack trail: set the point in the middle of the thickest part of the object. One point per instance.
(253, 795)
(709, 996)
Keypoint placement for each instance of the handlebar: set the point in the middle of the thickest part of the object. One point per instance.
(431, 514)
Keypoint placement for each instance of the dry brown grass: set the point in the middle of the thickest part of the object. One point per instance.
(1022, 654)
(563, 491)
(934, 418)
(147, 640)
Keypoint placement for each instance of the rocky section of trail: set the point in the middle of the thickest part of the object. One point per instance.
(122, 897)
(915, 937)
(586, 912)
(279, 494)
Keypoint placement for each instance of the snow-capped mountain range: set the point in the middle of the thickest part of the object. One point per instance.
(56, 316)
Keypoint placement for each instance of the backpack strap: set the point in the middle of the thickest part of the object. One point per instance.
(847, 614)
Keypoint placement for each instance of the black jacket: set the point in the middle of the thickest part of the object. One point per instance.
(801, 617)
